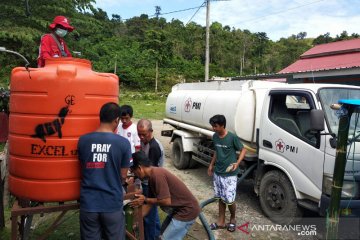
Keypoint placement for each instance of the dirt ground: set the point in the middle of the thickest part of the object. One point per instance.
(248, 206)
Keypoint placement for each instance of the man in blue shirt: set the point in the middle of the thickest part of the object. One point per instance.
(105, 159)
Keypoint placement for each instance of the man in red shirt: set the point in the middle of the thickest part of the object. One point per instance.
(53, 44)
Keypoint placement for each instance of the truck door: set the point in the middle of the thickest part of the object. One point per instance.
(287, 141)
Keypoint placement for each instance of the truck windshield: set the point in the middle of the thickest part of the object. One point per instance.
(330, 96)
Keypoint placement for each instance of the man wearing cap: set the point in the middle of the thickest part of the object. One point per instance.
(53, 44)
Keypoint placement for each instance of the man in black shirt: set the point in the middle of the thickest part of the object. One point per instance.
(150, 145)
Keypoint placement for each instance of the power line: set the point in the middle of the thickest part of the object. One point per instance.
(202, 5)
(176, 11)
(182, 10)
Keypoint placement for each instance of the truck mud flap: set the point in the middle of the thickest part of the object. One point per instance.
(167, 133)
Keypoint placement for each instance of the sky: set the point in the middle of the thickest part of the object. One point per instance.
(277, 18)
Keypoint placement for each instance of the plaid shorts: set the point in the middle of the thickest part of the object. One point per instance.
(225, 188)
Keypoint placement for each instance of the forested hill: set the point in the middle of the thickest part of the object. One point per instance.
(136, 44)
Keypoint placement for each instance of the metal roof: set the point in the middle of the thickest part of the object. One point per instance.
(340, 61)
(331, 56)
(333, 48)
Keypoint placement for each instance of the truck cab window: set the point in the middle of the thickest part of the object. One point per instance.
(292, 113)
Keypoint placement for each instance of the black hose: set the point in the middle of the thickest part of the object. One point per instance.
(203, 219)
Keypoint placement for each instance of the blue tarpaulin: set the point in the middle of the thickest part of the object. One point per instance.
(355, 102)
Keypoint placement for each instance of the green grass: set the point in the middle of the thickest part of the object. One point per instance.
(6, 232)
(69, 228)
(145, 104)
(2, 145)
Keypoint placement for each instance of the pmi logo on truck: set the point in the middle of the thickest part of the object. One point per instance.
(189, 104)
(282, 147)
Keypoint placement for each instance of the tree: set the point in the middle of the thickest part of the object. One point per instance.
(301, 35)
(343, 36)
(159, 48)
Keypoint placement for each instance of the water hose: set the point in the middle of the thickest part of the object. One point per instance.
(203, 219)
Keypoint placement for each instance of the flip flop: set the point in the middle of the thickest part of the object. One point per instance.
(215, 226)
(231, 227)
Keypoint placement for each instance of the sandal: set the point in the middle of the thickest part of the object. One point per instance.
(231, 227)
(215, 226)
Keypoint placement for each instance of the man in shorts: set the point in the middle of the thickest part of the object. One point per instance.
(224, 168)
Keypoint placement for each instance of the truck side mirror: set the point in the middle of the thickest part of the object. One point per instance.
(317, 120)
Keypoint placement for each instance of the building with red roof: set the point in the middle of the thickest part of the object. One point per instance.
(336, 62)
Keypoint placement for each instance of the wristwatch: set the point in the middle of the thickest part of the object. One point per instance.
(145, 202)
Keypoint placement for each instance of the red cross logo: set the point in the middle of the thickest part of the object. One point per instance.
(188, 104)
(280, 145)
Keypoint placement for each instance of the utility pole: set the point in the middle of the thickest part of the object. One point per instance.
(115, 64)
(157, 11)
(207, 52)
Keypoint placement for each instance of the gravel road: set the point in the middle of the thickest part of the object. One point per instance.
(248, 206)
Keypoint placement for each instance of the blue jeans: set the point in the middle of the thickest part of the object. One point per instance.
(152, 220)
(176, 230)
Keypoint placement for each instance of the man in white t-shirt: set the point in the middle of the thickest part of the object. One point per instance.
(128, 129)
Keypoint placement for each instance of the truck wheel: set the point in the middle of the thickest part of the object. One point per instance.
(179, 157)
(277, 198)
(192, 163)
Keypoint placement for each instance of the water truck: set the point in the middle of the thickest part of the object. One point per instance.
(289, 131)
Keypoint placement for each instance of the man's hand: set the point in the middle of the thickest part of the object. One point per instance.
(234, 166)
(211, 170)
(138, 201)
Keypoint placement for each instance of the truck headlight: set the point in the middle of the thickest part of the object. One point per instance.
(350, 189)
(327, 183)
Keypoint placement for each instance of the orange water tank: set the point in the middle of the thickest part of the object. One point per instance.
(50, 108)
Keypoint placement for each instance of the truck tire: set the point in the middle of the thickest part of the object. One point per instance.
(180, 158)
(278, 199)
(192, 163)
